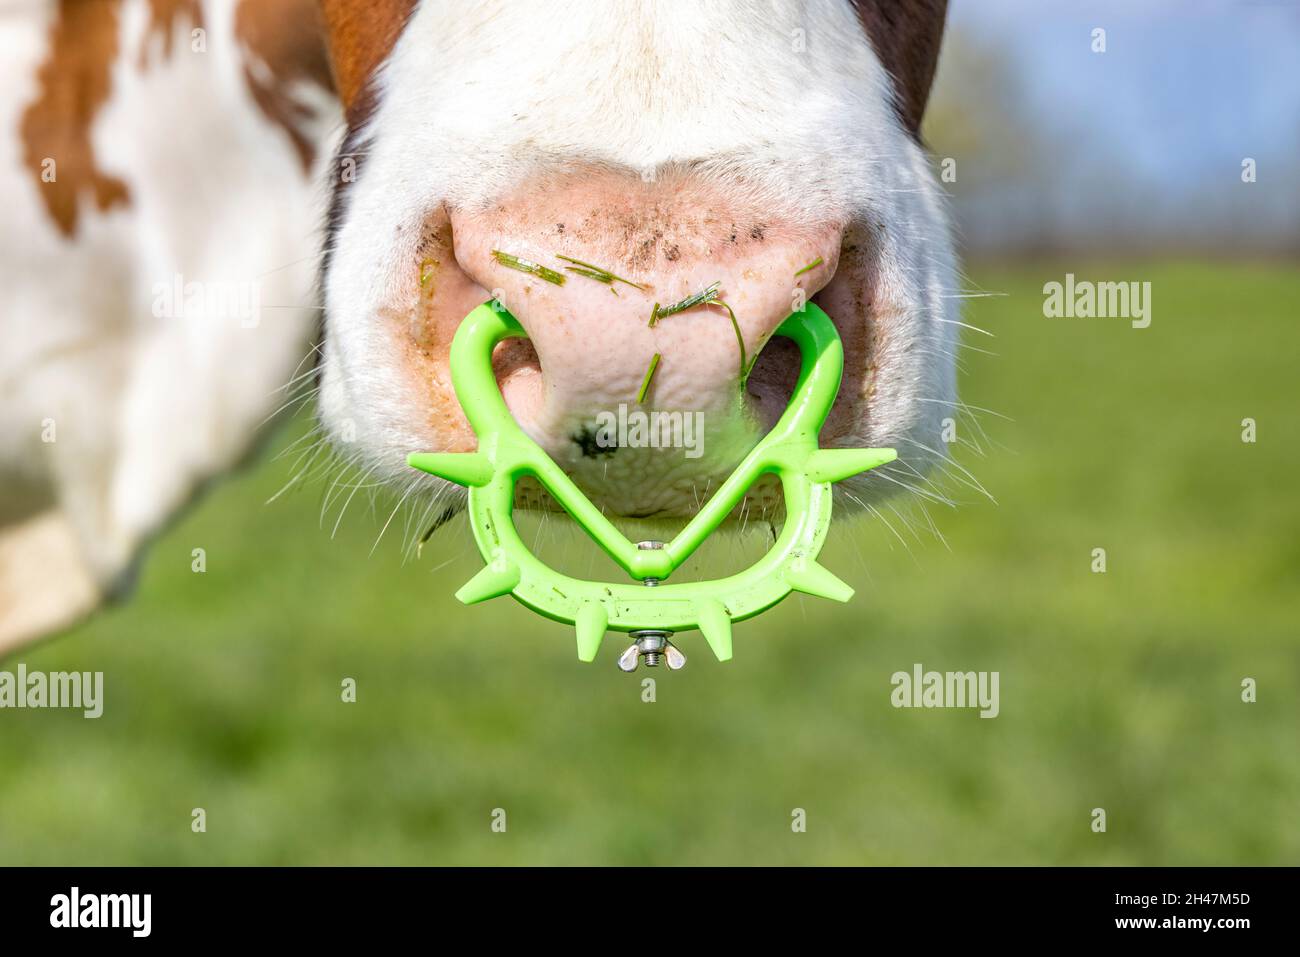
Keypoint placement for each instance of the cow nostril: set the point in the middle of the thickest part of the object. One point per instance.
(777, 365)
(511, 355)
(772, 379)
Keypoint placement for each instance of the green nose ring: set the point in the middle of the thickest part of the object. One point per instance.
(651, 615)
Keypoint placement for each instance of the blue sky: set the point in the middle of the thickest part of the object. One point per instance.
(1185, 90)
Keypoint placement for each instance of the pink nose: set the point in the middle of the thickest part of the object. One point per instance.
(644, 251)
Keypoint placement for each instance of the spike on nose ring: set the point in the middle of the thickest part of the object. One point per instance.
(649, 615)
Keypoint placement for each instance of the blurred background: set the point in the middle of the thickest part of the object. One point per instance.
(1119, 690)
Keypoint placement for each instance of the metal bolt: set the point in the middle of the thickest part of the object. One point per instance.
(650, 644)
(649, 546)
(653, 646)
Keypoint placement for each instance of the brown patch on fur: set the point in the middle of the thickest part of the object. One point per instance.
(164, 15)
(906, 35)
(361, 35)
(358, 39)
(284, 43)
(73, 83)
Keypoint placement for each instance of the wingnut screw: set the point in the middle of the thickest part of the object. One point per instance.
(652, 646)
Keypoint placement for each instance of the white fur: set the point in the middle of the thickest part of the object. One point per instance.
(145, 408)
(477, 95)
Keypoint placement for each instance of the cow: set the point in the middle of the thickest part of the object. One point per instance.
(161, 199)
(582, 164)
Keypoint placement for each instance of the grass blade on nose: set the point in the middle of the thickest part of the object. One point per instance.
(808, 268)
(649, 374)
(597, 273)
(703, 297)
(707, 297)
(528, 266)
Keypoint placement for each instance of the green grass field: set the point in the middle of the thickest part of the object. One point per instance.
(1119, 690)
